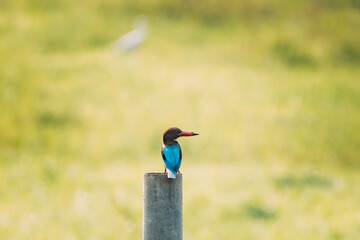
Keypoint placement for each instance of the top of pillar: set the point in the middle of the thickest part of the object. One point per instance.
(158, 174)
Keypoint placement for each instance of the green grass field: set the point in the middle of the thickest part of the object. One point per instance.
(273, 89)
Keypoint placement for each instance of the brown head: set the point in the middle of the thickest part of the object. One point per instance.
(171, 134)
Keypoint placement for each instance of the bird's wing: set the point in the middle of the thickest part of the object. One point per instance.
(172, 157)
(180, 160)
(162, 153)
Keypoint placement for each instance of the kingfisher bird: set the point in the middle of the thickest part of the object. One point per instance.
(171, 150)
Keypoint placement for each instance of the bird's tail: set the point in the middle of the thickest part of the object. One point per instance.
(170, 174)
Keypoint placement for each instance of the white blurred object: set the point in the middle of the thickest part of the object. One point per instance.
(133, 39)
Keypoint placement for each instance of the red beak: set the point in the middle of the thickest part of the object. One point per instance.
(187, 134)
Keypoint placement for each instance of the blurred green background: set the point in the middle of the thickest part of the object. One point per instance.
(272, 87)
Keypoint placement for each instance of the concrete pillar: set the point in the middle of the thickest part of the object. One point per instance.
(163, 216)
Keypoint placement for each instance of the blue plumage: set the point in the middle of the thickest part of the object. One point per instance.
(172, 158)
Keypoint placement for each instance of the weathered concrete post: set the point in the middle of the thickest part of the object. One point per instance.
(163, 216)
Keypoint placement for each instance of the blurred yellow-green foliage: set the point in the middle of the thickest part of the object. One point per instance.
(272, 87)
